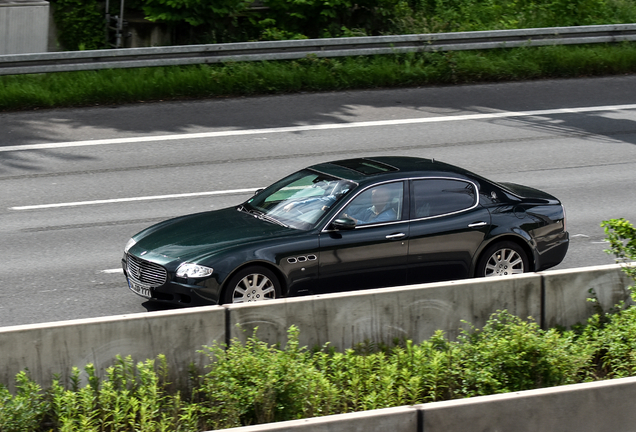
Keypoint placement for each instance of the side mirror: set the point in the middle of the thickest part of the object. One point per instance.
(344, 223)
(257, 191)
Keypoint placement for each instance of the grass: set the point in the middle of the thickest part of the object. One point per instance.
(69, 89)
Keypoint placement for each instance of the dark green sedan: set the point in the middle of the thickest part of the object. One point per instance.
(349, 225)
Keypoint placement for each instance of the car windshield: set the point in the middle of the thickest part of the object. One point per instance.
(300, 200)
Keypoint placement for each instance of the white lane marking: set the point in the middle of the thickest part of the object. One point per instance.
(157, 138)
(146, 198)
(115, 270)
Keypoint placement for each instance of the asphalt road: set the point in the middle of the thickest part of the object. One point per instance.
(75, 184)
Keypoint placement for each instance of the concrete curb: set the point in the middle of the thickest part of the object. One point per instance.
(598, 406)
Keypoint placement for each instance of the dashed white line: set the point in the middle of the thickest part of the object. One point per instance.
(129, 140)
(145, 198)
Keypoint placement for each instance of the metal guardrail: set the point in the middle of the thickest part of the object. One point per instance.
(15, 64)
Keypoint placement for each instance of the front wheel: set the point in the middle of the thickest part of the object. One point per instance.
(252, 284)
(502, 259)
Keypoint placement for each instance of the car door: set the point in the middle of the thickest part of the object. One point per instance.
(374, 253)
(447, 227)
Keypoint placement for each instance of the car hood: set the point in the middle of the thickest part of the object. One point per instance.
(202, 233)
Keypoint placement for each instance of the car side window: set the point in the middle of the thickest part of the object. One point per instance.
(435, 197)
(382, 203)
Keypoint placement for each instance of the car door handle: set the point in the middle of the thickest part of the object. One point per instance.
(395, 236)
(477, 224)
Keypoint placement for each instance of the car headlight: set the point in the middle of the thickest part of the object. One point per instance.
(130, 244)
(189, 270)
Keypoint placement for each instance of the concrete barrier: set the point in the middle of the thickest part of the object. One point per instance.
(24, 26)
(594, 407)
(567, 291)
(54, 348)
(382, 315)
(598, 406)
(345, 319)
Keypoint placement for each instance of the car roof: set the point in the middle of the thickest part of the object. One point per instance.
(361, 169)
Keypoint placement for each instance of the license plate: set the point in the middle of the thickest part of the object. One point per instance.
(138, 289)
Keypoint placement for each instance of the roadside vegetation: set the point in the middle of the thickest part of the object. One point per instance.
(66, 89)
(201, 21)
(256, 383)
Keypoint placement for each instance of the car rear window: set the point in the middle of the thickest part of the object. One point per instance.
(435, 197)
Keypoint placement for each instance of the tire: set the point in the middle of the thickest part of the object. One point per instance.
(255, 283)
(503, 259)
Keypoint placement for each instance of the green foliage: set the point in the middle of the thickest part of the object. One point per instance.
(510, 354)
(330, 18)
(223, 20)
(201, 21)
(80, 24)
(255, 383)
(621, 235)
(26, 410)
(131, 398)
(405, 375)
(424, 16)
(240, 20)
(611, 341)
(236, 20)
(194, 12)
(310, 74)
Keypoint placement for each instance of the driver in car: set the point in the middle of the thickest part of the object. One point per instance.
(380, 210)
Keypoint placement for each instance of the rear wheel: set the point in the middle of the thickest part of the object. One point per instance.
(503, 259)
(252, 284)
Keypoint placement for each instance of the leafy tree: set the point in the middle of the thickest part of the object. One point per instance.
(80, 24)
(222, 18)
(231, 20)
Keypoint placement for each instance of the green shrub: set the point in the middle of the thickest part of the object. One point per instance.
(130, 398)
(26, 410)
(255, 383)
(621, 235)
(404, 375)
(80, 24)
(510, 354)
(611, 341)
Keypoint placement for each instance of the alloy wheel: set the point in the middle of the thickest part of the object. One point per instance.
(254, 287)
(504, 262)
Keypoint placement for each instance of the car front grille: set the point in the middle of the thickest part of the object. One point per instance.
(145, 272)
